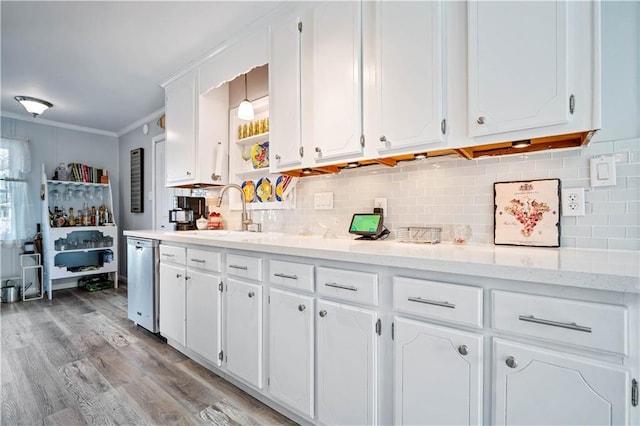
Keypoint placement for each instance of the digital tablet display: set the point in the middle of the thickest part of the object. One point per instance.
(366, 224)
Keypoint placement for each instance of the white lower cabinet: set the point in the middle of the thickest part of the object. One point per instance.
(172, 302)
(291, 355)
(243, 331)
(346, 365)
(539, 386)
(437, 375)
(203, 314)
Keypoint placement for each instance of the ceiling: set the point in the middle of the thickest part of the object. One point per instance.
(101, 62)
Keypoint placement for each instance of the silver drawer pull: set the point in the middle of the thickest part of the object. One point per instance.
(343, 287)
(251, 294)
(432, 302)
(291, 277)
(198, 260)
(168, 255)
(567, 325)
(244, 268)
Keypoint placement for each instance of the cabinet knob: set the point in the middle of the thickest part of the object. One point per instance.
(463, 350)
(301, 308)
(383, 138)
(215, 176)
(188, 173)
(278, 156)
(251, 294)
(511, 362)
(480, 120)
(318, 149)
(178, 276)
(322, 313)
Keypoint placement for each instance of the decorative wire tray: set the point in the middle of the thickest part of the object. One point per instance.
(415, 234)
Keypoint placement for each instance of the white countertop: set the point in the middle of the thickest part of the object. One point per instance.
(613, 270)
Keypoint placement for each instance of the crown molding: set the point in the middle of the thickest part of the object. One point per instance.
(140, 122)
(57, 124)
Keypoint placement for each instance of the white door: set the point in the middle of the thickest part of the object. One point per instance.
(346, 364)
(203, 314)
(437, 375)
(285, 138)
(409, 69)
(172, 301)
(517, 65)
(243, 331)
(336, 81)
(537, 386)
(162, 196)
(291, 343)
(180, 104)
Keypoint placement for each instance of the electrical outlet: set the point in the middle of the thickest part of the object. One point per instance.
(381, 203)
(573, 202)
(323, 200)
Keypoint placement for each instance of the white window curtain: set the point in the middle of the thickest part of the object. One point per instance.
(16, 209)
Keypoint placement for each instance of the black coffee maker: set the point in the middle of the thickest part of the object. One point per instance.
(185, 212)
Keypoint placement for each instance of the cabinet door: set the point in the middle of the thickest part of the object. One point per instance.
(180, 101)
(536, 386)
(346, 364)
(285, 139)
(243, 331)
(172, 302)
(291, 363)
(425, 354)
(517, 65)
(203, 314)
(336, 81)
(409, 68)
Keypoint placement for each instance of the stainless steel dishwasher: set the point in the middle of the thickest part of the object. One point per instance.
(143, 263)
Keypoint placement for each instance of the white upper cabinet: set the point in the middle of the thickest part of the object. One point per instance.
(180, 110)
(333, 123)
(285, 142)
(532, 65)
(197, 133)
(409, 81)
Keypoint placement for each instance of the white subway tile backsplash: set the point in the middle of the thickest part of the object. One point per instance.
(449, 191)
(623, 244)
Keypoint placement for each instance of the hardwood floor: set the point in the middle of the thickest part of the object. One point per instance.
(78, 360)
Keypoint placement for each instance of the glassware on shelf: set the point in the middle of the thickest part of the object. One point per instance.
(246, 152)
(54, 194)
(98, 194)
(78, 193)
(68, 194)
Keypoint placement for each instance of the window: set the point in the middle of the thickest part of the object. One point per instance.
(15, 211)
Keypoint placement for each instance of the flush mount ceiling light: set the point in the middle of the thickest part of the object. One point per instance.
(34, 106)
(521, 144)
(245, 110)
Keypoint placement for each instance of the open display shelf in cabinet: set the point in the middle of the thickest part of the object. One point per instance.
(72, 252)
(248, 168)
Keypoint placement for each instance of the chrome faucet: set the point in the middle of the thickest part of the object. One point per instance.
(246, 221)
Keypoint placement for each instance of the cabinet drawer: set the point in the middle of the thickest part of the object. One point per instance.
(290, 274)
(203, 259)
(446, 302)
(355, 286)
(244, 266)
(172, 254)
(593, 325)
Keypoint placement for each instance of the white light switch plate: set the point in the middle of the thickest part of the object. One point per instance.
(323, 200)
(603, 171)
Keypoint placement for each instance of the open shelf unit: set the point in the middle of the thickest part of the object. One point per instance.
(76, 251)
(242, 169)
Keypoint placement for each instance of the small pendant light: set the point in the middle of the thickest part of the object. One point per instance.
(245, 110)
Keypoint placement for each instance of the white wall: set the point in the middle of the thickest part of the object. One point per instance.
(51, 146)
(128, 220)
